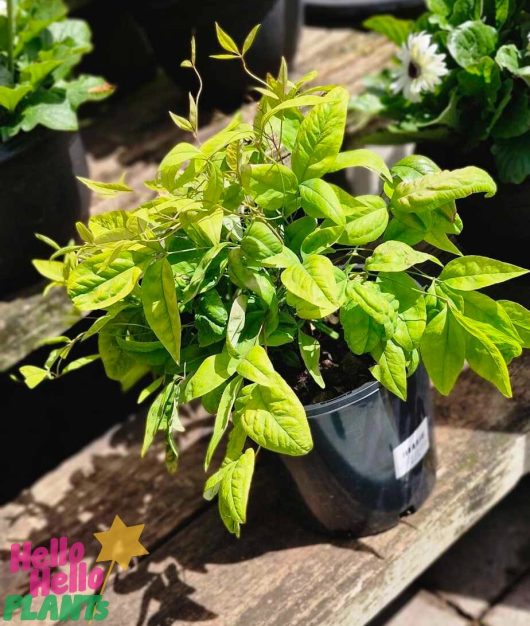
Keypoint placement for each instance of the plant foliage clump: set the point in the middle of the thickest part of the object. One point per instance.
(483, 98)
(39, 48)
(247, 254)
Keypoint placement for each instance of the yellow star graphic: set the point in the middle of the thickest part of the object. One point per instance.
(120, 543)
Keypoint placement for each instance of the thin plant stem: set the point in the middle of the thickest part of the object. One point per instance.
(11, 36)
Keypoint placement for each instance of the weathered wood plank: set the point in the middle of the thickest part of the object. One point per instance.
(26, 321)
(512, 610)
(106, 478)
(279, 572)
(425, 609)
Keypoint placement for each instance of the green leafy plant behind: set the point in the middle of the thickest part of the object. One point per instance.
(248, 256)
(470, 88)
(39, 48)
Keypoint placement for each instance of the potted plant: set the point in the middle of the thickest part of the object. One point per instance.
(459, 89)
(38, 97)
(275, 297)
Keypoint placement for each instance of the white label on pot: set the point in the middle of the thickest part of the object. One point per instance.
(411, 451)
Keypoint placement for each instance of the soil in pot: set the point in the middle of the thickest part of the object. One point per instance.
(40, 194)
(374, 456)
(169, 25)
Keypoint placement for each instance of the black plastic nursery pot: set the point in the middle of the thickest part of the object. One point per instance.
(347, 12)
(169, 25)
(40, 194)
(373, 459)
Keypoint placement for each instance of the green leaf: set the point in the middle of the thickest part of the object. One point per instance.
(520, 318)
(53, 270)
(374, 303)
(222, 417)
(97, 283)
(443, 349)
(274, 418)
(257, 367)
(310, 353)
(469, 42)
(236, 323)
(320, 136)
(174, 160)
(160, 306)
(361, 158)
(508, 58)
(247, 277)
(320, 240)
(319, 200)
(160, 412)
(413, 167)
(214, 371)
(393, 28)
(182, 122)
(234, 491)
(260, 241)
(150, 389)
(211, 318)
(412, 312)
(483, 356)
(494, 322)
(391, 369)
(273, 186)
(361, 331)
(395, 256)
(249, 39)
(512, 157)
(475, 272)
(290, 104)
(439, 189)
(312, 283)
(106, 189)
(11, 96)
(85, 89)
(515, 120)
(49, 109)
(34, 376)
(225, 41)
(366, 219)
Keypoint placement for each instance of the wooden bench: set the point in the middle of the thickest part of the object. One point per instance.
(279, 573)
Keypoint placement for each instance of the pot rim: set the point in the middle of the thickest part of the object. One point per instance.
(344, 400)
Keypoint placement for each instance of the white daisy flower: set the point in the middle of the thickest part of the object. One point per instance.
(421, 69)
(3, 7)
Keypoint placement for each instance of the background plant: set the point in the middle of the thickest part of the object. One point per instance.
(484, 97)
(247, 256)
(39, 48)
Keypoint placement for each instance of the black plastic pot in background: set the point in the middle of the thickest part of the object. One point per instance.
(373, 459)
(351, 12)
(497, 227)
(121, 52)
(40, 194)
(169, 25)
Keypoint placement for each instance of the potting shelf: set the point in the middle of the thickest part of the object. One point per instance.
(132, 136)
(278, 573)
